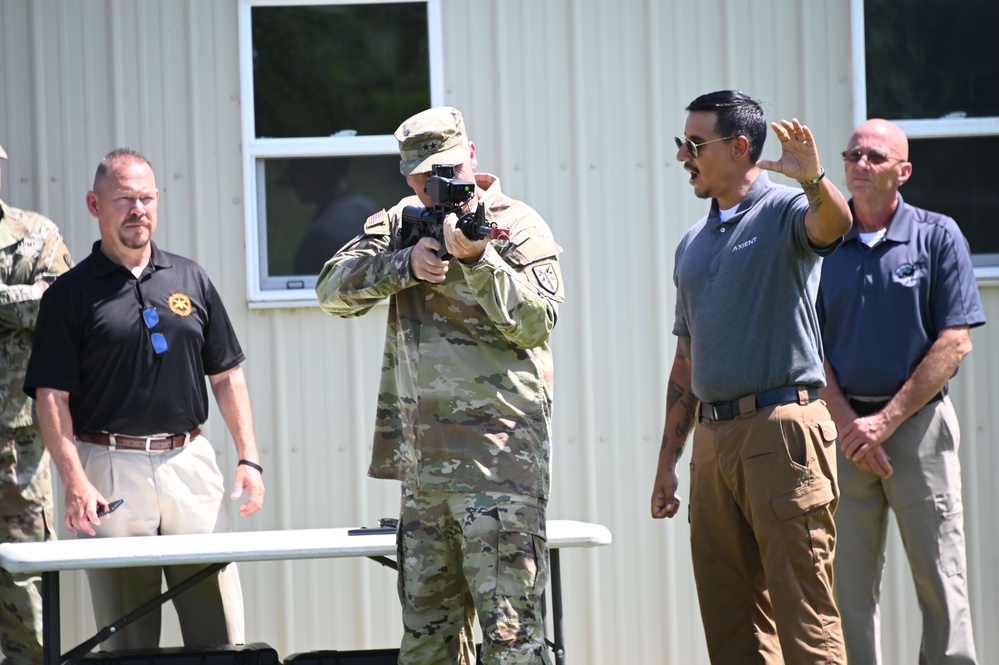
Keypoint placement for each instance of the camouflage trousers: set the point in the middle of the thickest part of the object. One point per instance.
(467, 552)
(25, 516)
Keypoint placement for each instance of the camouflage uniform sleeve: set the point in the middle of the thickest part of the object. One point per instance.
(38, 259)
(365, 272)
(521, 289)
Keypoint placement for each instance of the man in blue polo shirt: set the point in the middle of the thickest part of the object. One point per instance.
(896, 303)
(745, 377)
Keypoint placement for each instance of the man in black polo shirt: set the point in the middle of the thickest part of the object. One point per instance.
(122, 346)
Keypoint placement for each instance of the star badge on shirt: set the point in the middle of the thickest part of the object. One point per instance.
(180, 304)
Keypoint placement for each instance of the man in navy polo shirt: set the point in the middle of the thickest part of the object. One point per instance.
(122, 347)
(896, 303)
(745, 378)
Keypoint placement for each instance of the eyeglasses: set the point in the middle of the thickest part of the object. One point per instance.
(152, 318)
(692, 147)
(874, 157)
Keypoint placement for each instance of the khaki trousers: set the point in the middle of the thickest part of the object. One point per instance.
(763, 491)
(924, 492)
(170, 492)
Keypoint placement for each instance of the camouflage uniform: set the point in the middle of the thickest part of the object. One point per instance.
(32, 255)
(464, 422)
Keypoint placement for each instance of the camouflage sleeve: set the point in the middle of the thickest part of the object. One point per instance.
(520, 290)
(40, 257)
(365, 272)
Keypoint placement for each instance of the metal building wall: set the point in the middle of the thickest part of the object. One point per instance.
(574, 104)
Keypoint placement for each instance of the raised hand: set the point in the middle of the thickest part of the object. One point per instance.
(799, 157)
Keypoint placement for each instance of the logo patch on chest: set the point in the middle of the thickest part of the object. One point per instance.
(180, 304)
(744, 245)
(907, 274)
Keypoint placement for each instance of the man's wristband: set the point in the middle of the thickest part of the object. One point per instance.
(252, 465)
(815, 180)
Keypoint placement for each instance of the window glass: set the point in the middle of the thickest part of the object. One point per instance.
(315, 205)
(339, 69)
(956, 177)
(931, 58)
(330, 82)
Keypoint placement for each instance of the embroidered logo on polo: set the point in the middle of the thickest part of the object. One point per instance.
(744, 245)
(547, 277)
(180, 304)
(908, 274)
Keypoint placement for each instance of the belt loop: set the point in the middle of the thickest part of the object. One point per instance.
(187, 438)
(111, 443)
(747, 405)
(148, 441)
(802, 395)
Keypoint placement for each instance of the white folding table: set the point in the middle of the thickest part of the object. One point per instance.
(220, 549)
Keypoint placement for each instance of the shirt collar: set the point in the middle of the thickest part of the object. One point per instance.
(105, 266)
(756, 191)
(899, 227)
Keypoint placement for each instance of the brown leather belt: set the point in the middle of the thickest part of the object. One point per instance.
(147, 443)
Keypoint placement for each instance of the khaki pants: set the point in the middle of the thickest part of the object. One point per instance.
(171, 492)
(924, 492)
(762, 496)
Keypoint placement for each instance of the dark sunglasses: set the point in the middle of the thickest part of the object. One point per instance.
(152, 318)
(692, 147)
(874, 158)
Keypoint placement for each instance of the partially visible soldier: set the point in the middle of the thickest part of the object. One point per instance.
(32, 255)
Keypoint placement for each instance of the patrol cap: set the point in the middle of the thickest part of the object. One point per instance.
(434, 136)
(3, 153)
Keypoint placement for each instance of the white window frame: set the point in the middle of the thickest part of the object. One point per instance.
(256, 150)
(929, 128)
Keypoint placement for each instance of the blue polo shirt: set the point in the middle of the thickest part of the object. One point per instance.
(882, 307)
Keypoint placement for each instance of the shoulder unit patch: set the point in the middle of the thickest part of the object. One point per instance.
(547, 277)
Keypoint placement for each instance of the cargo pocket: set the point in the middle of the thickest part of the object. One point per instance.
(805, 520)
(522, 559)
(803, 499)
(950, 533)
(8, 461)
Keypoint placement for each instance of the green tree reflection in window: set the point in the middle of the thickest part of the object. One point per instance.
(319, 70)
(931, 58)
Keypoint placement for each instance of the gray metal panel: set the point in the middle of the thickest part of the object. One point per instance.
(574, 104)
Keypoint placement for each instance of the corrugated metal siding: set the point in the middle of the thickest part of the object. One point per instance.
(574, 104)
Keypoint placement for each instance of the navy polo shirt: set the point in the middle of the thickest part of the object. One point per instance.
(882, 307)
(92, 342)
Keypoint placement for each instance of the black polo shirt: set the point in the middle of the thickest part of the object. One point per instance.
(93, 342)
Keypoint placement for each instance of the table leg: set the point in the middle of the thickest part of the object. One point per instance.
(559, 645)
(50, 618)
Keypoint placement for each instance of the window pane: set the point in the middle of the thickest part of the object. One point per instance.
(957, 176)
(315, 205)
(320, 70)
(931, 58)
